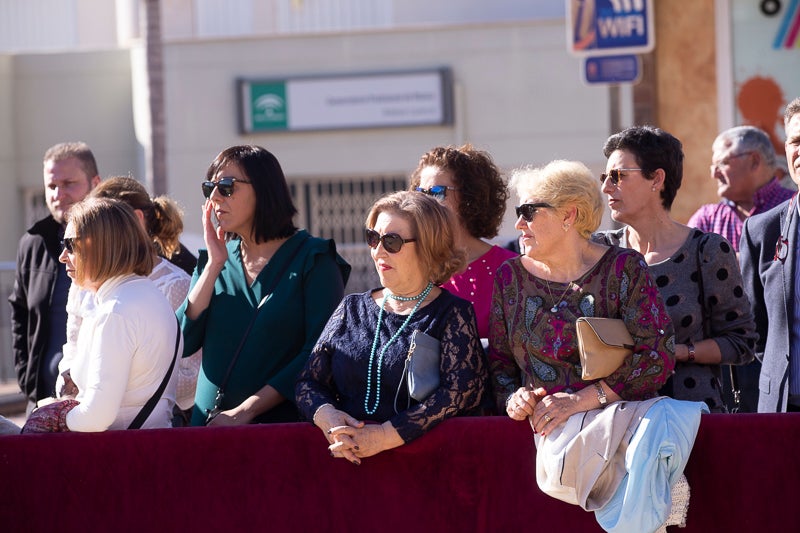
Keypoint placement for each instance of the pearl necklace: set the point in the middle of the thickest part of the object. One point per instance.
(556, 304)
(419, 299)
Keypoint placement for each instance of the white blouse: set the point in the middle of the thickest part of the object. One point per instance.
(124, 348)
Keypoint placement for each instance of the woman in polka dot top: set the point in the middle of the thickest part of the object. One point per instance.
(697, 273)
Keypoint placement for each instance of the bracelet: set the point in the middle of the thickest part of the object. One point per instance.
(314, 418)
(601, 394)
(508, 400)
(690, 347)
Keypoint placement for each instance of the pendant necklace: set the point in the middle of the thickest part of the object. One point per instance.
(379, 364)
(555, 305)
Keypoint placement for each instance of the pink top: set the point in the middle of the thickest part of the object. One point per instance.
(475, 284)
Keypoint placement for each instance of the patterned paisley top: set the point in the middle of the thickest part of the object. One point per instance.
(531, 345)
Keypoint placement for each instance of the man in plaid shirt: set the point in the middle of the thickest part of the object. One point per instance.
(743, 162)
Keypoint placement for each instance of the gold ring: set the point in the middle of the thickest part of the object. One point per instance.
(547, 418)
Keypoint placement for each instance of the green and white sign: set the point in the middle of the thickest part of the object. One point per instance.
(269, 110)
(376, 100)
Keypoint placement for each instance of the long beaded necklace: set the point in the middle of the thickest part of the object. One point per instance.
(419, 299)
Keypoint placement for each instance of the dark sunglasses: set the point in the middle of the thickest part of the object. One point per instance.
(68, 244)
(392, 242)
(223, 185)
(437, 191)
(615, 174)
(528, 211)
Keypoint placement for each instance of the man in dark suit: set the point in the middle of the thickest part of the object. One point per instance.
(769, 260)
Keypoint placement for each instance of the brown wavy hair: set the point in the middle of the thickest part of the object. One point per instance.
(432, 225)
(481, 187)
(162, 216)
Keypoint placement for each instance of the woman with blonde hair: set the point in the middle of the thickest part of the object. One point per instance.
(533, 348)
(128, 343)
(355, 373)
(538, 373)
(161, 218)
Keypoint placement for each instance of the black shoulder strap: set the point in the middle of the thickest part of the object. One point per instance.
(275, 280)
(151, 403)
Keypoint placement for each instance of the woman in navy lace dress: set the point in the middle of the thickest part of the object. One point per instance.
(352, 387)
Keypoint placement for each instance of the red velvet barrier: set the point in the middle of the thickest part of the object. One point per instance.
(468, 474)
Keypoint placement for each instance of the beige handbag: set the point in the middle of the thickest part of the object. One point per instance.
(603, 343)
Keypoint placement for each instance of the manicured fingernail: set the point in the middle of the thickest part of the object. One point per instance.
(329, 432)
(355, 462)
(331, 454)
(357, 448)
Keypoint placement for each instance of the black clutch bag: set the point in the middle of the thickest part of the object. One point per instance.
(421, 370)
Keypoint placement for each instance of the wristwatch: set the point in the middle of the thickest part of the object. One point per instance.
(690, 347)
(601, 394)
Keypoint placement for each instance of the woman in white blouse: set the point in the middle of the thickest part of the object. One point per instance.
(128, 341)
(162, 220)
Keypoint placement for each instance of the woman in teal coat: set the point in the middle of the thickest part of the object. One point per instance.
(260, 296)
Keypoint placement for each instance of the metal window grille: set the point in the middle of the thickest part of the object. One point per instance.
(336, 209)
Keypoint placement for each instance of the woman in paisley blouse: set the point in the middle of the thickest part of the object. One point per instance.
(354, 375)
(533, 349)
(697, 273)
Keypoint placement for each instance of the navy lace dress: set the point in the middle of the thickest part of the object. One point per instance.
(336, 371)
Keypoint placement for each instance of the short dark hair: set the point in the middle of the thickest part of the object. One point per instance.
(653, 148)
(78, 150)
(482, 190)
(274, 206)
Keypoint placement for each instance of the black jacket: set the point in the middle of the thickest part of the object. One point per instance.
(35, 279)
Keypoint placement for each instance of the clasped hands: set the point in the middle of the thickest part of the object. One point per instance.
(546, 411)
(353, 439)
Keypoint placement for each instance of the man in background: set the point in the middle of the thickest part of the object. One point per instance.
(744, 164)
(39, 299)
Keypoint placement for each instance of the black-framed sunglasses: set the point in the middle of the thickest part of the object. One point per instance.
(392, 242)
(528, 211)
(224, 185)
(68, 244)
(437, 191)
(615, 174)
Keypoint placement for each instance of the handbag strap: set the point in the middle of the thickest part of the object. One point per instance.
(267, 294)
(737, 393)
(406, 370)
(151, 403)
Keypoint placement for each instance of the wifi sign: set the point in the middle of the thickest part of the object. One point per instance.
(605, 27)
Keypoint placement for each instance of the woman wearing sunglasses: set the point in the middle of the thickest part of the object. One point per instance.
(697, 273)
(162, 220)
(533, 348)
(468, 183)
(129, 341)
(581, 426)
(262, 292)
(353, 387)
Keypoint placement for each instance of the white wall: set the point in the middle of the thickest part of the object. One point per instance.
(518, 95)
(57, 98)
